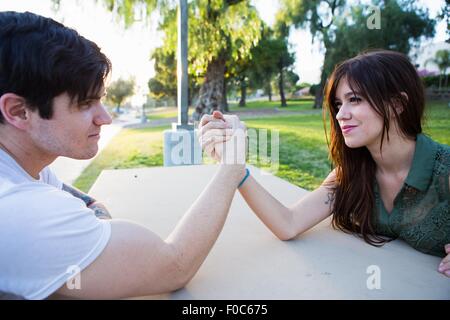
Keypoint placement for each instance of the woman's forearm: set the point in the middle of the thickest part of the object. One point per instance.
(276, 216)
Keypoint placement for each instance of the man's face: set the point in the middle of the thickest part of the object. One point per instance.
(72, 131)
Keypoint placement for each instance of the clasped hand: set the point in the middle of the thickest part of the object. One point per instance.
(223, 138)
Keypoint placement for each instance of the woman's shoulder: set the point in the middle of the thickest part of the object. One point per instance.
(441, 166)
(441, 150)
(443, 155)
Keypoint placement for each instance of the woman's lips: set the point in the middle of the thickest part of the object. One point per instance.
(347, 129)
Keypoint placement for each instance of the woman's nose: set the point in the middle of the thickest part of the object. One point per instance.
(343, 113)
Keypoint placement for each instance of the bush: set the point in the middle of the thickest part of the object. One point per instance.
(430, 81)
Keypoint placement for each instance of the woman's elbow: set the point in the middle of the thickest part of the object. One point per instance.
(285, 235)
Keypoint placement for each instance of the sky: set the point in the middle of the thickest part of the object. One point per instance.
(130, 49)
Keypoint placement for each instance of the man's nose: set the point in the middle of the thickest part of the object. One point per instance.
(102, 117)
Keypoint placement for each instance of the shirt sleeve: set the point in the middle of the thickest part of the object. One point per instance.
(50, 178)
(46, 234)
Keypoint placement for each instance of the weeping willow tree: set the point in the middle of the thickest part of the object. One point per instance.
(219, 31)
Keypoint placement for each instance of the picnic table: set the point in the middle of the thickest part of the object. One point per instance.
(249, 262)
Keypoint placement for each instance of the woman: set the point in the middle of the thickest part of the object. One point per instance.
(390, 181)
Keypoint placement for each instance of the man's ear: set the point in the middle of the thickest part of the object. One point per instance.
(14, 110)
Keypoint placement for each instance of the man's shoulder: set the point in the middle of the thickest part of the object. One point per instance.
(35, 197)
(11, 188)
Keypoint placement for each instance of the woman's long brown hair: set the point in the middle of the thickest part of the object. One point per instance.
(383, 78)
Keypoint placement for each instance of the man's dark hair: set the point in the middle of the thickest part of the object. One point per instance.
(41, 59)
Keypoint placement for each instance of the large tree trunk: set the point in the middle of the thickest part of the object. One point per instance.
(281, 88)
(224, 106)
(243, 93)
(210, 96)
(318, 100)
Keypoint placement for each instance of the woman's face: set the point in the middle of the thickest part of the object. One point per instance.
(359, 123)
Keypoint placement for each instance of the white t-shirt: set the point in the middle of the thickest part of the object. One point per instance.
(46, 234)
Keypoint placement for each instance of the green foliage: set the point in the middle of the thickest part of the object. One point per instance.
(432, 81)
(402, 26)
(267, 59)
(216, 27)
(164, 84)
(442, 61)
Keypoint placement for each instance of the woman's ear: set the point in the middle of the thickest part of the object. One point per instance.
(14, 110)
(400, 102)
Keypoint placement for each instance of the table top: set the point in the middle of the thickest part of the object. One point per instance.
(249, 262)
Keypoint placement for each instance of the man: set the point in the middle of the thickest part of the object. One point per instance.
(51, 85)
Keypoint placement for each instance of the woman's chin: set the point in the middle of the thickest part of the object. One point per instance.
(352, 143)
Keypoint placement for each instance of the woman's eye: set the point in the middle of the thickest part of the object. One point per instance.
(337, 105)
(355, 99)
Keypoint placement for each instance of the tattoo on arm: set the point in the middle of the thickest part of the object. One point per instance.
(330, 199)
(79, 194)
(100, 211)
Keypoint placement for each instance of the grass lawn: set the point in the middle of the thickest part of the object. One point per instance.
(303, 150)
(131, 148)
(292, 105)
(164, 113)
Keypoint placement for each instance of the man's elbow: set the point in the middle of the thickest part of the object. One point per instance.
(182, 271)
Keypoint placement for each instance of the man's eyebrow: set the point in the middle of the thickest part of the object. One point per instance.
(98, 97)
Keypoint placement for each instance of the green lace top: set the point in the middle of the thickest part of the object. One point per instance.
(421, 212)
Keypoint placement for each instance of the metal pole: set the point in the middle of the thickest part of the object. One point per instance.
(182, 66)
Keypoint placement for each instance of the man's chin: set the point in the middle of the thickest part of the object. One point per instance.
(87, 154)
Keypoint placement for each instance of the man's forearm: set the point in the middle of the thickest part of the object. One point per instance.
(87, 199)
(99, 209)
(199, 228)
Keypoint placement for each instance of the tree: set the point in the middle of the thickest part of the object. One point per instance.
(164, 83)
(316, 14)
(285, 60)
(345, 32)
(119, 90)
(265, 57)
(442, 61)
(218, 30)
(270, 58)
